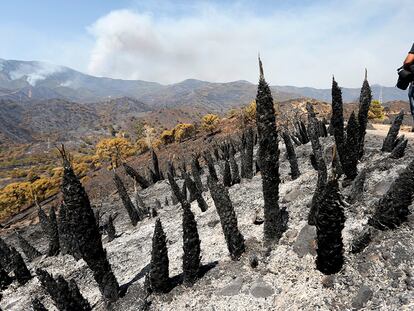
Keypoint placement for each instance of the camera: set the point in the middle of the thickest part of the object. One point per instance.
(405, 77)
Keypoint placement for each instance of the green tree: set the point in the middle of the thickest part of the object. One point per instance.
(376, 110)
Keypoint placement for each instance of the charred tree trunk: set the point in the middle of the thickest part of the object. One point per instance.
(110, 229)
(337, 122)
(399, 150)
(389, 141)
(21, 273)
(37, 305)
(392, 209)
(30, 252)
(191, 246)
(320, 163)
(5, 279)
(210, 165)
(221, 198)
(66, 296)
(195, 193)
(357, 187)
(248, 170)
(139, 179)
(159, 267)
(235, 175)
(175, 189)
(126, 200)
(350, 162)
(274, 219)
(364, 102)
(196, 175)
(54, 246)
(157, 173)
(84, 229)
(293, 161)
(67, 240)
(330, 221)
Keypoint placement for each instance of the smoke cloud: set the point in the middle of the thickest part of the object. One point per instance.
(302, 46)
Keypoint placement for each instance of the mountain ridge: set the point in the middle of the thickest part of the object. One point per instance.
(26, 80)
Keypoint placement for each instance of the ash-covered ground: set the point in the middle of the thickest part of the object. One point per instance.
(379, 278)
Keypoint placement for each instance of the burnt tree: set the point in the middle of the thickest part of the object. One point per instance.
(291, 154)
(365, 99)
(195, 193)
(191, 246)
(399, 150)
(29, 251)
(235, 175)
(126, 200)
(350, 162)
(86, 232)
(268, 156)
(392, 209)
(389, 141)
(319, 162)
(54, 247)
(159, 268)
(330, 221)
(228, 219)
(139, 179)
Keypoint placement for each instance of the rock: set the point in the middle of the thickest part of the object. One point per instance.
(261, 289)
(233, 288)
(253, 261)
(304, 243)
(382, 187)
(213, 223)
(364, 294)
(258, 217)
(291, 196)
(328, 281)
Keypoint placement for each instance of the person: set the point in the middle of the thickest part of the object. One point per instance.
(408, 63)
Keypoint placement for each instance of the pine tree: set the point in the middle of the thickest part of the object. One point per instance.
(228, 219)
(140, 180)
(84, 229)
(392, 209)
(191, 246)
(291, 154)
(268, 156)
(364, 102)
(389, 141)
(159, 270)
(126, 200)
(330, 221)
(30, 252)
(319, 163)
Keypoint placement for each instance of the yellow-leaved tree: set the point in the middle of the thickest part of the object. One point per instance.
(210, 122)
(114, 150)
(184, 131)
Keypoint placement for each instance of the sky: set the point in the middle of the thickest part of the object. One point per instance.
(301, 42)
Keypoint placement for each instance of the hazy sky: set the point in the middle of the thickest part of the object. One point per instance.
(301, 43)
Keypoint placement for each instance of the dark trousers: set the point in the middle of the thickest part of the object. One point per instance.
(411, 98)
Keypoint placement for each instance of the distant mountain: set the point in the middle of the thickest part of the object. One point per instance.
(31, 80)
(60, 119)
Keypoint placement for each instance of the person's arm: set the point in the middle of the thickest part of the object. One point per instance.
(409, 60)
